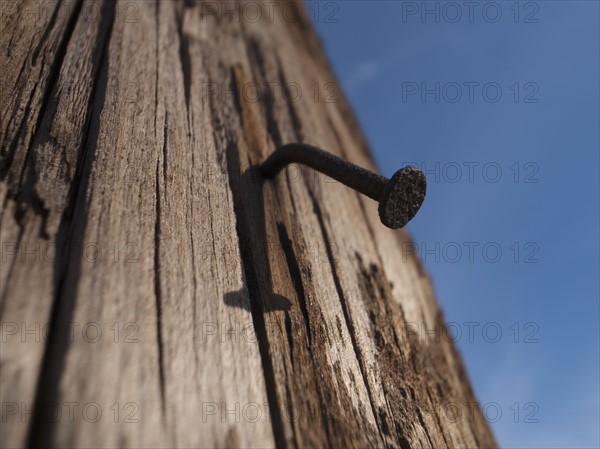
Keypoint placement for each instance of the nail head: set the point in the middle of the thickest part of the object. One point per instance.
(402, 197)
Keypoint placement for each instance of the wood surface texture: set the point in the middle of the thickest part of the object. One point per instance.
(155, 290)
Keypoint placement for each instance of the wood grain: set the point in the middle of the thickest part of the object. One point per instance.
(156, 291)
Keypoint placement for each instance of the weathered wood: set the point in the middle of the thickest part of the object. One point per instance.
(234, 312)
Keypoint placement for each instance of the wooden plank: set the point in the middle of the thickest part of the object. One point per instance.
(58, 68)
(208, 307)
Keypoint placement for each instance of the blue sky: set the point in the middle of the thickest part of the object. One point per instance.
(510, 140)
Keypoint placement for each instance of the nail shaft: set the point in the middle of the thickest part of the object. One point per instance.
(355, 177)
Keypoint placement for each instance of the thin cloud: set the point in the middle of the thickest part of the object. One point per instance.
(364, 72)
